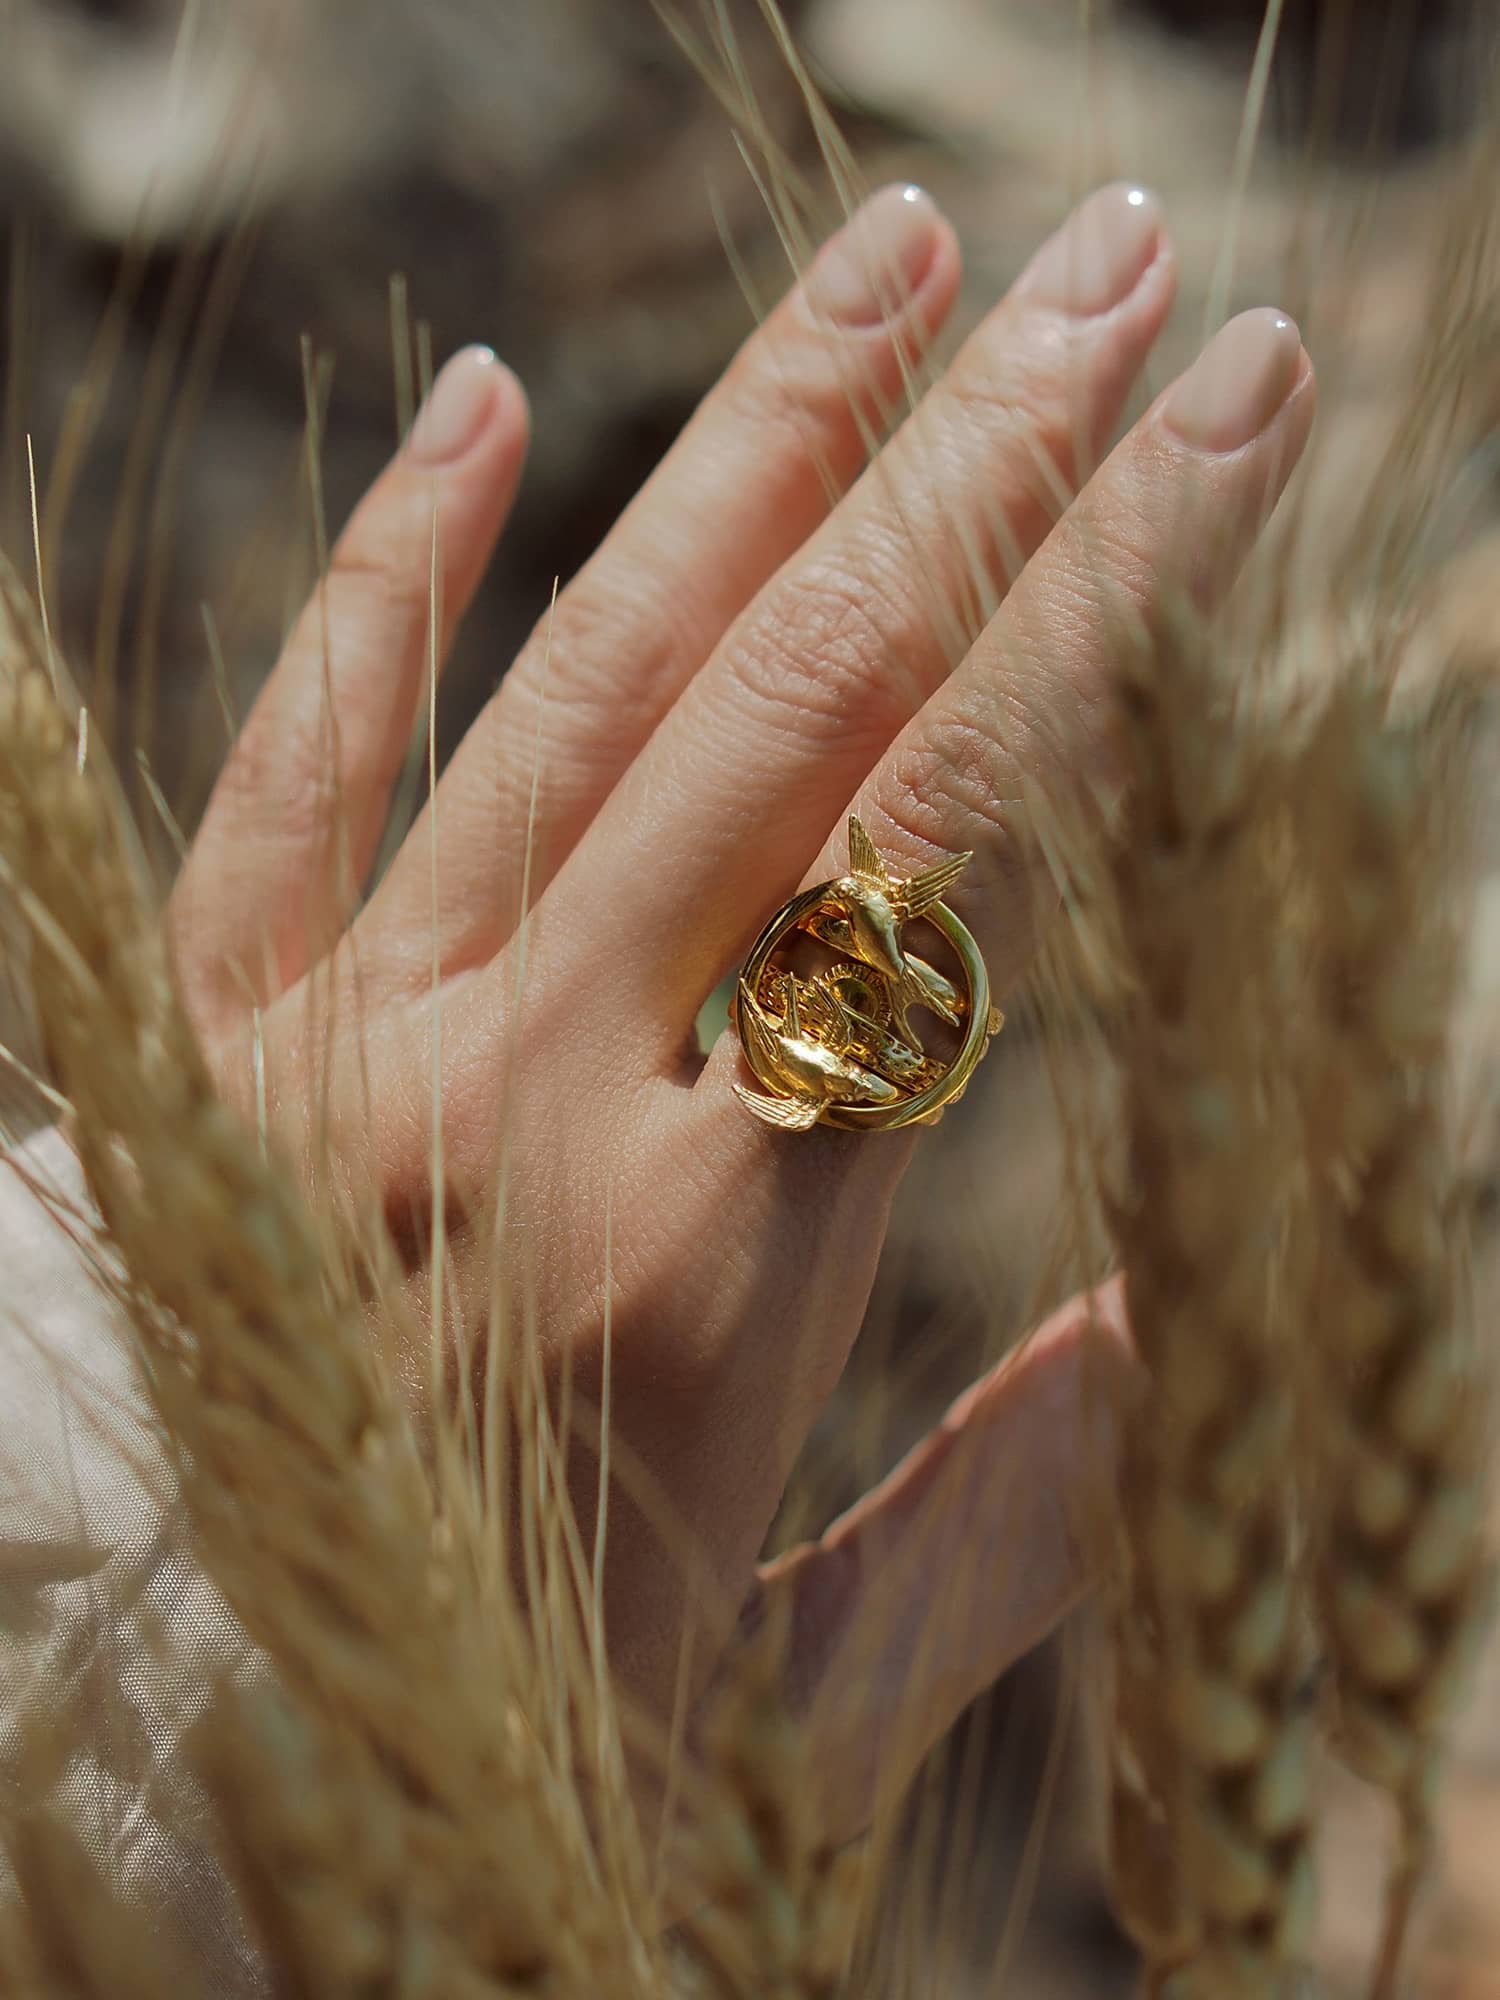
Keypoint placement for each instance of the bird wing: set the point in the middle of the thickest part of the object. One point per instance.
(863, 860)
(917, 895)
(792, 1114)
(761, 1039)
(825, 1018)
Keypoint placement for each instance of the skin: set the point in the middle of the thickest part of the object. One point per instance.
(741, 663)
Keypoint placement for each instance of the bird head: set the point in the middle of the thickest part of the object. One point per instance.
(876, 1089)
(873, 923)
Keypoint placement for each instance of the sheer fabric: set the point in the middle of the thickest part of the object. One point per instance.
(110, 1635)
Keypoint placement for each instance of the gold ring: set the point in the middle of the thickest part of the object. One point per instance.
(834, 1044)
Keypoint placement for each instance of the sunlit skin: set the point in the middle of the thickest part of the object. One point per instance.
(672, 757)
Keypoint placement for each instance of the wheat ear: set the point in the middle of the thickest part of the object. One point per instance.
(1210, 1798)
(1403, 1401)
(307, 1493)
(781, 1905)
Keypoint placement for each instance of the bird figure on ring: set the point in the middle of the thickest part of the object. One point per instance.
(810, 1063)
(864, 913)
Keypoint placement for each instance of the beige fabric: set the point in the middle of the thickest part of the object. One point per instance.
(109, 1634)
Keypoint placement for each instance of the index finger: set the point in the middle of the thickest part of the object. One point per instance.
(758, 466)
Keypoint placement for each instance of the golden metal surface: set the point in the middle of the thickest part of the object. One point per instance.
(836, 1046)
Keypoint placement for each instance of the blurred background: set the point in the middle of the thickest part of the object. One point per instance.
(205, 207)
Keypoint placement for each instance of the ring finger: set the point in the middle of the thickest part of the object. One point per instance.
(1021, 736)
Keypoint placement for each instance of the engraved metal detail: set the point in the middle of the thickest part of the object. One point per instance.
(837, 1046)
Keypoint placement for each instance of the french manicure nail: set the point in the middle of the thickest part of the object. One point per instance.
(456, 408)
(877, 260)
(1238, 383)
(1099, 255)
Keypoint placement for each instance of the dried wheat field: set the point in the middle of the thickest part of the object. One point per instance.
(383, 1613)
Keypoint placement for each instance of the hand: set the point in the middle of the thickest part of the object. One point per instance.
(673, 753)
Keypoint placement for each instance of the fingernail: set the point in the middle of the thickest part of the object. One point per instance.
(1238, 383)
(877, 260)
(1099, 255)
(457, 407)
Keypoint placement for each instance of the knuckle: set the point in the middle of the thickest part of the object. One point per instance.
(613, 611)
(281, 772)
(944, 791)
(379, 581)
(1107, 561)
(373, 574)
(765, 388)
(941, 785)
(816, 654)
(790, 391)
(1012, 389)
(1035, 387)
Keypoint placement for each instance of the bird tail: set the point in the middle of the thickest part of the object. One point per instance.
(922, 985)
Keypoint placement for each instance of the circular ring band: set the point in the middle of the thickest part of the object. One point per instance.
(837, 1047)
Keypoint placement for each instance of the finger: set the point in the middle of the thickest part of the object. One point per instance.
(1178, 503)
(1020, 738)
(742, 780)
(969, 1554)
(294, 820)
(783, 433)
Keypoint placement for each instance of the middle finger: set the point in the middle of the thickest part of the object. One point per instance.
(844, 646)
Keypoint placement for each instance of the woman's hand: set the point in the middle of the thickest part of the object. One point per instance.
(767, 639)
